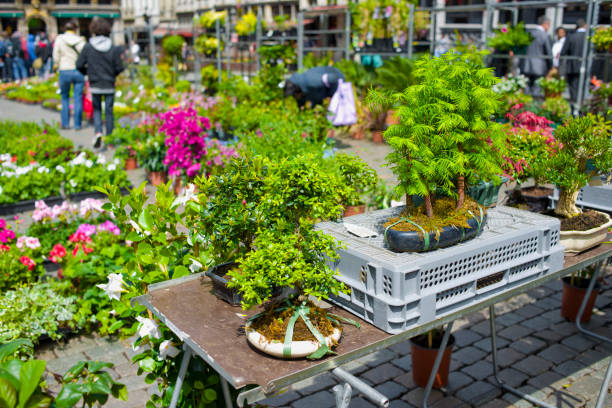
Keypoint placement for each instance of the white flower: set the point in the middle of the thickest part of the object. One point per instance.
(32, 242)
(43, 169)
(1, 189)
(148, 327)
(188, 195)
(114, 287)
(118, 94)
(111, 167)
(101, 159)
(73, 183)
(166, 349)
(80, 159)
(88, 163)
(195, 266)
(60, 168)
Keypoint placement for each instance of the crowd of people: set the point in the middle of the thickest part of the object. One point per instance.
(22, 56)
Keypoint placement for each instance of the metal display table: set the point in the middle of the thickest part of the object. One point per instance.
(213, 330)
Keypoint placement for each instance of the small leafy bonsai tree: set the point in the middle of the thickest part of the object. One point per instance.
(287, 250)
(579, 139)
(358, 177)
(172, 45)
(444, 139)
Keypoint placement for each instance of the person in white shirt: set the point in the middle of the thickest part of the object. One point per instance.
(558, 46)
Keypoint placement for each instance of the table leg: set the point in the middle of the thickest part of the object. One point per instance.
(604, 387)
(226, 393)
(496, 369)
(354, 382)
(181, 376)
(437, 361)
(587, 295)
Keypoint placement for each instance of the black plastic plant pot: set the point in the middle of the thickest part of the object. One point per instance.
(216, 274)
(411, 241)
(27, 205)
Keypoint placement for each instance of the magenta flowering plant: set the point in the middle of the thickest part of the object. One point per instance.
(186, 135)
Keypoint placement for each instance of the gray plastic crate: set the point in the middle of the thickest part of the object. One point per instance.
(596, 197)
(397, 291)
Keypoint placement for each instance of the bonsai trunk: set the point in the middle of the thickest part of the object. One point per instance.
(566, 207)
(460, 191)
(408, 201)
(428, 206)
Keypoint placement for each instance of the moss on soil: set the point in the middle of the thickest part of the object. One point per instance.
(273, 324)
(445, 215)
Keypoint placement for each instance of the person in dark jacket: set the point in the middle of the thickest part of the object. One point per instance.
(43, 51)
(533, 66)
(314, 85)
(571, 68)
(102, 62)
(18, 57)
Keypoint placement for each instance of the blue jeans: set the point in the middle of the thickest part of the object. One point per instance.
(66, 79)
(96, 101)
(19, 69)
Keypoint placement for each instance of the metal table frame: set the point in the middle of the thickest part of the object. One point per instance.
(343, 392)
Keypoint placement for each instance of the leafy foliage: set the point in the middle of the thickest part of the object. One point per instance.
(90, 382)
(444, 130)
(358, 177)
(510, 38)
(602, 38)
(172, 45)
(396, 74)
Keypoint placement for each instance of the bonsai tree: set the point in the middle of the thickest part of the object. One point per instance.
(579, 139)
(444, 139)
(173, 45)
(358, 177)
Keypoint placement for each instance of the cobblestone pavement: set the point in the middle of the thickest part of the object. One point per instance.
(539, 352)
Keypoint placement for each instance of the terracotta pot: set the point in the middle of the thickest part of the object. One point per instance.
(350, 210)
(549, 94)
(157, 177)
(391, 119)
(377, 136)
(423, 361)
(572, 299)
(178, 186)
(357, 134)
(131, 163)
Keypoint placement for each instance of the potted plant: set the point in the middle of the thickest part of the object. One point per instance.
(513, 40)
(246, 25)
(150, 155)
(290, 253)
(580, 139)
(359, 179)
(557, 110)
(124, 139)
(530, 143)
(424, 349)
(553, 87)
(443, 143)
(574, 289)
(603, 39)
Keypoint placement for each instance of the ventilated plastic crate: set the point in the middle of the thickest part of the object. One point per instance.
(596, 197)
(397, 291)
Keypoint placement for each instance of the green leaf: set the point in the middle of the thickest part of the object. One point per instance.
(11, 347)
(107, 206)
(30, 374)
(69, 395)
(147, 364)
(134, 237)
(10, 378)
(39, 401)
(117, 325)
(74, 371)
(8, 394)
(100, 387)
(146, 220)
(120, 392)
(95, 366)
(180, 271)
(210, 395)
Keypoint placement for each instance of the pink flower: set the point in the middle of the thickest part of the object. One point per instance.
(2, 224)
(6, 235)
(243, 201)
(27, 262)
(86, 229)
(57, 253)
(504, 30)
(110, 227)
(32, 242)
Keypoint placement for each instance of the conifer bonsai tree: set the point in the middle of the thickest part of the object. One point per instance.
(445, 139)
(579, 139)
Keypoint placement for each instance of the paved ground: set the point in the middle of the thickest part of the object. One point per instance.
(539, 352)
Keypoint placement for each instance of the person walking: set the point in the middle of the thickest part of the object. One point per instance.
(534, 67)
(573, 47)
(17, 54)
(65, 53)
(30, 61)
(5, 71)
(102, 62)
(558, 46)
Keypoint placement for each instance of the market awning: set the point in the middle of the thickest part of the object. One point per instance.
(162, 32)
(80, 14)
(11, 13)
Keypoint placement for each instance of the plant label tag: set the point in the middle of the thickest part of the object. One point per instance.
(360, 231)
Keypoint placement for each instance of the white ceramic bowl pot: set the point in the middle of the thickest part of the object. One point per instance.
(578, 241)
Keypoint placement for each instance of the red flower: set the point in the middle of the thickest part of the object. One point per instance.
(57, 253)
(4, 248)
(27, 262)
(14, 159)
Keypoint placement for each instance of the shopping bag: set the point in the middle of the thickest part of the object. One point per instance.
(342, 110)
